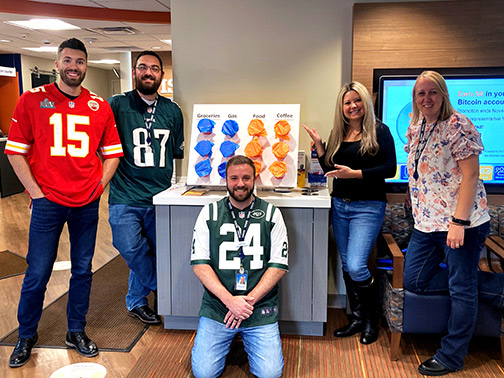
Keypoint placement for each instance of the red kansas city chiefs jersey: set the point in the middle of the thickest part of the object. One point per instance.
(60, 138)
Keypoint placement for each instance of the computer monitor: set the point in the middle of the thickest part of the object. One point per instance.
(478, 95)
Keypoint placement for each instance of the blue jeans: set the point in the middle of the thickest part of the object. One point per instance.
(213, 341)
(134, 236)
(356, 226)
(47, 221)
(423, 275)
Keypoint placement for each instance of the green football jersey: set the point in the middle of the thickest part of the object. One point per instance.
(215, 243)
(147, 166)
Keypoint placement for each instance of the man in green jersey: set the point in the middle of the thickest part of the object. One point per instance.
(239, 253)
(151, 131)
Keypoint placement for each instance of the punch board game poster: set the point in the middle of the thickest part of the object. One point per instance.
(268, 134)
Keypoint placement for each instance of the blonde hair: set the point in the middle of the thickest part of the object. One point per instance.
(446, 108)
(369, 144)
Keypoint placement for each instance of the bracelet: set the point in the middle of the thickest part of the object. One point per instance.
(462, 222)
(457, 225)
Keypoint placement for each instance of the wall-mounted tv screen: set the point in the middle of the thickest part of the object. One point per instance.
(479, 96)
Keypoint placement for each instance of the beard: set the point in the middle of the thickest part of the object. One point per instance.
(72, 82)
(241, 196)
(147, 89)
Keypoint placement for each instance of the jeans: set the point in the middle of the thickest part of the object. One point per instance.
(423, 275)
(213, 341)
(134, 236)
(356, 225)
(47, 221)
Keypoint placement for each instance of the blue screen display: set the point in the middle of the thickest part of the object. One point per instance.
(480, 98)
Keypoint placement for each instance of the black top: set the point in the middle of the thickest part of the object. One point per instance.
(375, 168)
(66, 94)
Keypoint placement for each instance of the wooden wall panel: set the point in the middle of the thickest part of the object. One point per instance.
(438, 34)
(426, 34)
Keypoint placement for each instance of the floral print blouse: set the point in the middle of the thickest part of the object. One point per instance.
(435, 193)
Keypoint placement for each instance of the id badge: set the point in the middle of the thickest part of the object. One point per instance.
(241, 244)
(149, 157)
(414, 196)
(241, 280)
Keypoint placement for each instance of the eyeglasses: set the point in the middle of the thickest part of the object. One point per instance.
(143, 68)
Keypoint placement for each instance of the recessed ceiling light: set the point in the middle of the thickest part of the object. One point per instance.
(42, 49)
(6, 40)
(43, 24)
(105, 61)
(167, 41)
(156, 48)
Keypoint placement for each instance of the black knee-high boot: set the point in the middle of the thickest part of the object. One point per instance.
(367, 292)
(356, 324)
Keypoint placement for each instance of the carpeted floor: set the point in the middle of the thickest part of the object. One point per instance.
(11, 264)
(107, 322)
(319, 357)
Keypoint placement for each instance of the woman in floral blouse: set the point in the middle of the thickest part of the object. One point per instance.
(450, 210)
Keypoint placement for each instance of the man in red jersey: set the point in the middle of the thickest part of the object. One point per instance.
(55, 134)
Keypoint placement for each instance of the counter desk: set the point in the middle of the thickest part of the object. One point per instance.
(303, 290)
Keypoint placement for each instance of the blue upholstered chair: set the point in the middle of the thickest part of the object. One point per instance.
(407, 312)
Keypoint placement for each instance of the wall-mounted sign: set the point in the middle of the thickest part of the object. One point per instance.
(7, 71)
(166, 88)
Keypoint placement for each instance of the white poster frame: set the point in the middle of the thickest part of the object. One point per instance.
(270, 114)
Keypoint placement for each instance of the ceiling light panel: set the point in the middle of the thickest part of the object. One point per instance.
(105, 61)
(43, 24)
(42, 49)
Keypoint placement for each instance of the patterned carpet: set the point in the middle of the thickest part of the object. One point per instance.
(107, 321)
(11, 264)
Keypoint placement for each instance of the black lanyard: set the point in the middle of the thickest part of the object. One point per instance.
(241, 233)
(148, 122)
(422, 143)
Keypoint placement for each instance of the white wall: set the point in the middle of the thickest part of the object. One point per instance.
(97, 80)
(262, 51)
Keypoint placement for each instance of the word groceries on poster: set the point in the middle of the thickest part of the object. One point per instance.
(268, 134)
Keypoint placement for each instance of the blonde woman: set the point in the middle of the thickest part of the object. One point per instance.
(449, 207)
(359, 155)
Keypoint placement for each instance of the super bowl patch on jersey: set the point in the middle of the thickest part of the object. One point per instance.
(46, 104)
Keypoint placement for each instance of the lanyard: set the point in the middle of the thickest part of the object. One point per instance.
(241, 233)
(422, 143)
(148, 122)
